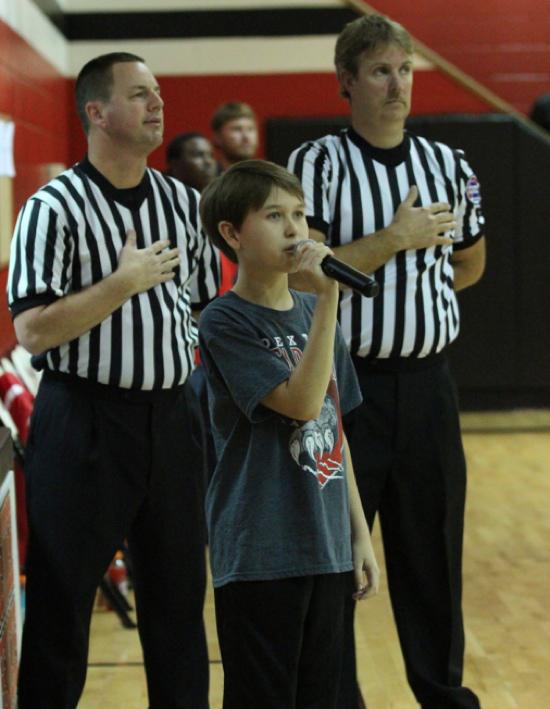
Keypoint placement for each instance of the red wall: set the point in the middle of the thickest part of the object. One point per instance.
(34, 95)
(191, 100)
(504, 44)
(7, 335)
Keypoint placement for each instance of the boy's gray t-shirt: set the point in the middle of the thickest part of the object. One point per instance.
(277, 505)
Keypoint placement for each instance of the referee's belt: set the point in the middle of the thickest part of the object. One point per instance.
(112, 393)
(399, 364)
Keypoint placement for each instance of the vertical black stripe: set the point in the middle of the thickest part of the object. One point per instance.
(447, 281)
(169, 302)
(201, 267)
(379, 302)
(177, 207)
(49, 249)
(451, 199)
(192, 203)
(298, 167)
(171, 228)
(186, 319)
(318, 167)
(68, 244)
(335, 230)
(76, 286)
(137, 376)
(400, 275)
(420, 330)
(462, 180)
(190, 245)
(30, 248)
(156, 310)
(428, 172)
(357, 230)
(115, 364)
(435, 321)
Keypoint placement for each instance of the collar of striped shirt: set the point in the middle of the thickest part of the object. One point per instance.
(386, 156)
(131, 197)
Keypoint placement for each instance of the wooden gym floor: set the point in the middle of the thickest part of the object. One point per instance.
(506, 589)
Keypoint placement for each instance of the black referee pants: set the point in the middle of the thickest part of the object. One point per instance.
(408, 458)
(101, 467)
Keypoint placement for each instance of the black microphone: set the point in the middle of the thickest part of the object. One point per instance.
(349, 276)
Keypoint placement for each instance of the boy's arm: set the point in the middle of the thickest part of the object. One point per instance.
(302, 395)
(367, 574)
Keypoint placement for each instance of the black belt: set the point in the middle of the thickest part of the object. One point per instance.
(394, 365)
(113, 393)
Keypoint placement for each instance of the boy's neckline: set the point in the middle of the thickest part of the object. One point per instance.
(263, 305)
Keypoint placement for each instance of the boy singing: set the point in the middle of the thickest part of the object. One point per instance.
(285, 520)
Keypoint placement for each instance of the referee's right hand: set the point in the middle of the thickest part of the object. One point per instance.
(143, 269)
(422, 227)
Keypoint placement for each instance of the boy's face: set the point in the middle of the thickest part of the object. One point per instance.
(267, 236)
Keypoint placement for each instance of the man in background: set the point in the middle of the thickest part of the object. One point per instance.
(190, 159)
(235, 130)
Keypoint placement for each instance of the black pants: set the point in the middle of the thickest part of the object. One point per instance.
(408, 458)
(281, 641)
(101, 468)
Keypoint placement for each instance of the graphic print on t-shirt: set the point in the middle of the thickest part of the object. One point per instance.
(316, 446)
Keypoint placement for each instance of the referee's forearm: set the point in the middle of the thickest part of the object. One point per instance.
(41, 328)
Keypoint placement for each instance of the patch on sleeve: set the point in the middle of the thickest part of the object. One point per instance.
(472, 190)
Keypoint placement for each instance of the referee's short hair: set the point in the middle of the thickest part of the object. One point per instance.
(95, 81)
(244, 188)
(363, 35)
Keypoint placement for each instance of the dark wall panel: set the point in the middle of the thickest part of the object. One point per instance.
(532, 201)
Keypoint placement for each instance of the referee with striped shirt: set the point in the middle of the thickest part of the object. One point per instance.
(408, 210)
(99, 288)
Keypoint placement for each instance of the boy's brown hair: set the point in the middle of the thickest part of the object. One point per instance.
(244, 188)
(364, 35)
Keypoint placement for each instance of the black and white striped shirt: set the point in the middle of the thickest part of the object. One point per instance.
(69, 235)
(353, 189)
